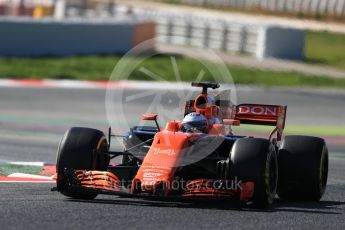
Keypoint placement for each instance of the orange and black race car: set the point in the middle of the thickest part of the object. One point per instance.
(198, 157)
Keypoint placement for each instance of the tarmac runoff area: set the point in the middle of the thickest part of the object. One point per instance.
(33, 120)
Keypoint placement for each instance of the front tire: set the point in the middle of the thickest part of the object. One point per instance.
(81, 149)
(255, 160)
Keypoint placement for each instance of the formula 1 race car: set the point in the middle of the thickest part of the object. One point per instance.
(198, 157)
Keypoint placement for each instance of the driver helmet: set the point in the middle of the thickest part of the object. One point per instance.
(194, 123)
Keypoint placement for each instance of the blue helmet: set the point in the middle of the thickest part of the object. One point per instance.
(195, 123)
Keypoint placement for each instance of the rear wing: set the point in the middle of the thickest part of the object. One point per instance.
(256, 114)
(272, 115)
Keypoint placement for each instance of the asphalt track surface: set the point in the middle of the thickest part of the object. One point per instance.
(32, 121)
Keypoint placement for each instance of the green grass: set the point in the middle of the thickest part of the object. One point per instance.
(100, 68)
(320, 130)
(325, 48)
(77, 67)
(7, 169)
(321, 48)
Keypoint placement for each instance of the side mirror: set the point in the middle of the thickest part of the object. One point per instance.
(231, 122)
(149, 117)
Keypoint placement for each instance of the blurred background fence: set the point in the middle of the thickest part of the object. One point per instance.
(322, 7)
(258, 39)
(173, 28)
(83, 7)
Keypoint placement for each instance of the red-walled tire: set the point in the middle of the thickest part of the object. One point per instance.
(303, 168)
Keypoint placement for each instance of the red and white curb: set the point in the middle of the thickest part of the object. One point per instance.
(24, 163)
(77, 84)
(47, 175)
(48, 83)
(26, 178)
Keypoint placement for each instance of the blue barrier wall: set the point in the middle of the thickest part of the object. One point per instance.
(60, 38)
(284, 43)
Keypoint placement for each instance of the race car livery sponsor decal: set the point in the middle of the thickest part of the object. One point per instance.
(169, 151)
(258, 110)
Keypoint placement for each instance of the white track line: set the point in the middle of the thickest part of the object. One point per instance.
(39, 164)
(35, 182)
(31, 176)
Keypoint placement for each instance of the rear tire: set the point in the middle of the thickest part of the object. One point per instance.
(303, 168)
(255, 160)
(81, 149)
